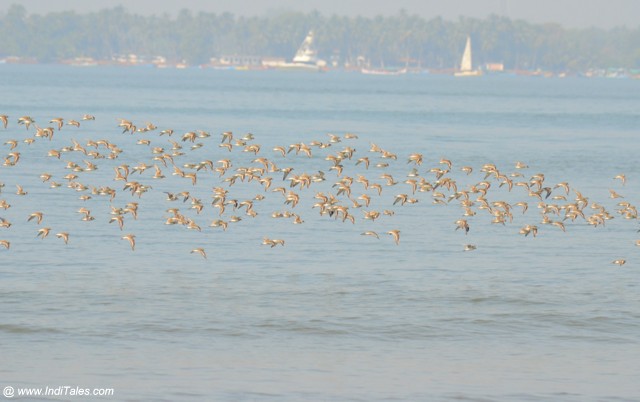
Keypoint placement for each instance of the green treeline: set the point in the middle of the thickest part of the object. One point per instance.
(382, 41)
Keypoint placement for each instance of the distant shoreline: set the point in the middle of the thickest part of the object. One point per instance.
(618, 73)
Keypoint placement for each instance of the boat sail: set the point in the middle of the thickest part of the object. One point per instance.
(306, 52)
(305, 59)
(466, 67)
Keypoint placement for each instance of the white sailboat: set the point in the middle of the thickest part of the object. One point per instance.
(306, 52)
(305, 59)
(466, 67)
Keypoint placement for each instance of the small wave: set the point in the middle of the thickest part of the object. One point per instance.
(22, 329)
(316, 328)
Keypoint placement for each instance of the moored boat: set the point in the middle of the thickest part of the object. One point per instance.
(466, 66)
(305, 59)
(383, 71)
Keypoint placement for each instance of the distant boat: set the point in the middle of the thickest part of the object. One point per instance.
(83, 62)
(466, 67)
(383, 71)
(306, 53)
(305, 59)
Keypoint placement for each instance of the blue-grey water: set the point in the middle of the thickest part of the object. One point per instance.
(332, 314)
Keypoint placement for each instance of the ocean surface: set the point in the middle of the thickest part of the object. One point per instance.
(332, 314)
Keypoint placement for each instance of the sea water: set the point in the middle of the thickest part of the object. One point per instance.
(332, 314)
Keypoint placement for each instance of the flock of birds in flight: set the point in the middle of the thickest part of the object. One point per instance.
(351, 198)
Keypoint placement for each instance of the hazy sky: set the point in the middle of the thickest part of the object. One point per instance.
(569, 13)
